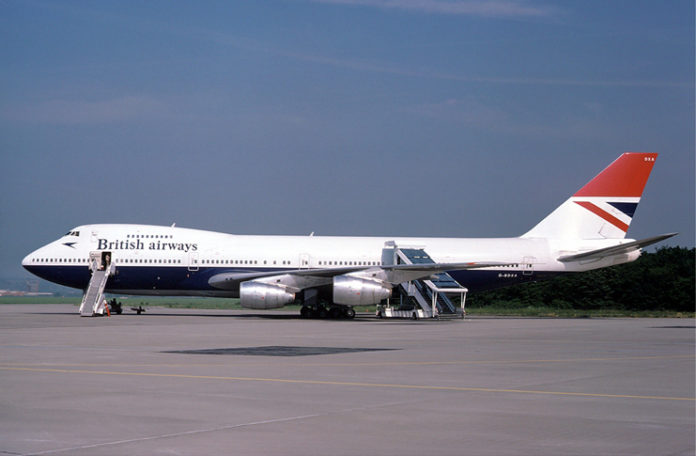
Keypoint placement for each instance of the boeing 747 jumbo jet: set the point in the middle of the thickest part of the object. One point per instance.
(330, 274)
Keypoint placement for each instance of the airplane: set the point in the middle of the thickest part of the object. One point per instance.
(335, 273)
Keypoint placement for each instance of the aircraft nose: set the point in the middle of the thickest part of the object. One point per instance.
(27, 260)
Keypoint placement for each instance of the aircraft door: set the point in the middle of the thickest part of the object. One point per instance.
(528, 265)
(193, 261)
(304, 261)
(105, 260)
(94, 261)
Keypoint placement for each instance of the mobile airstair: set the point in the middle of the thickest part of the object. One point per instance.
(93, 298)
(425, 298)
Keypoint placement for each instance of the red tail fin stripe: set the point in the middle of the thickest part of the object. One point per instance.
(603, 214)
(626, 176)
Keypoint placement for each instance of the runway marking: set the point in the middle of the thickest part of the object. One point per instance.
(221, 428)
(173, 434)
(362, 364)
(357, 384)
(512, 361)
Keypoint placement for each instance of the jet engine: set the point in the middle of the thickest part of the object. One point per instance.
(258, 295)
(356, 291)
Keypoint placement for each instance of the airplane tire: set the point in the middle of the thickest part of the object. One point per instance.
(350, 313)
(415, 316)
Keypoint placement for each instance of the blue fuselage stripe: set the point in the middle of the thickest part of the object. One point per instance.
(183, 280)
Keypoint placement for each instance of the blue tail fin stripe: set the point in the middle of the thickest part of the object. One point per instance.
(627, 208)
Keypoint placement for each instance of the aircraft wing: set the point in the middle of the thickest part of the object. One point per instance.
(394, 274)
(616, 249)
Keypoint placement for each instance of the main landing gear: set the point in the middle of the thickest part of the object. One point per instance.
(333, 311)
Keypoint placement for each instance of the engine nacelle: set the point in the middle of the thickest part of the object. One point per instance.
(356, 291)
(258, 295)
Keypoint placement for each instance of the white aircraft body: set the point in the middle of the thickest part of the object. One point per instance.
(586, 232)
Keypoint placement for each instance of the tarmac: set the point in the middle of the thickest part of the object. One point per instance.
(192, 382)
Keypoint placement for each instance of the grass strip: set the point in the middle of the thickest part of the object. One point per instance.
(233, 304)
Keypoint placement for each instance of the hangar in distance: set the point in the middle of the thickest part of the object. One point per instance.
(331, 274)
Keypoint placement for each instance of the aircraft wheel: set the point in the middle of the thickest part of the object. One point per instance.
(350, 313)
(415, 316)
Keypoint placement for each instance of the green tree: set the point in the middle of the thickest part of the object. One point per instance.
(663, 280)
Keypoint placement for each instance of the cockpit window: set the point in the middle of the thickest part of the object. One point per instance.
(72, 233)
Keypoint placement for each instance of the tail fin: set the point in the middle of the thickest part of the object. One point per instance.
(604, 207)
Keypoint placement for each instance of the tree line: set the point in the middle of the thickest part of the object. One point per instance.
(663, 280)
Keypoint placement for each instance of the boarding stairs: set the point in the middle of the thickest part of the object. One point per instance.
(425, 298)
(93, 297)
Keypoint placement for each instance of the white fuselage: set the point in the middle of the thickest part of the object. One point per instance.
(179, 261)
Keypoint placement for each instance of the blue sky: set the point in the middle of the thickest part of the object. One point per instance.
(342, 117)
